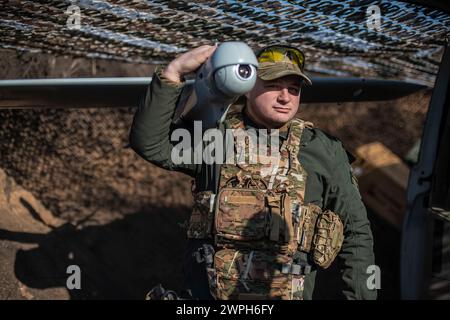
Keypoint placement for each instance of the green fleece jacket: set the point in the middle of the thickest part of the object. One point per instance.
(330, 183)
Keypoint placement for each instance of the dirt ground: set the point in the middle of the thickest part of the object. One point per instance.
(117, 215)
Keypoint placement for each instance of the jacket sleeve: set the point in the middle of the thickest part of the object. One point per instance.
(152, 126)
(356, 254)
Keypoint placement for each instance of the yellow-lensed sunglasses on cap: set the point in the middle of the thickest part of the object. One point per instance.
(279, 53)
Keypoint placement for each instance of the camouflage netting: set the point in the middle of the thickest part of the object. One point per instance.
(333, 33)
(78, 162)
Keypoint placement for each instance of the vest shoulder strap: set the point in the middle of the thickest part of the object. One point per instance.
(234, 118)
(295, 132)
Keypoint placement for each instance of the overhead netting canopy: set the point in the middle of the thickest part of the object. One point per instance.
(340, 38)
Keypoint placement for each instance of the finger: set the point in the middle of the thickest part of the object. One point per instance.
(203, 52)
(206, 53)
(193, 59)
(205, 47)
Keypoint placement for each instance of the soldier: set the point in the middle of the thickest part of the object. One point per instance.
(263, 230)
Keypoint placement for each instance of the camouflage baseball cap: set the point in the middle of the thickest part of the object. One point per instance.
(277, 61)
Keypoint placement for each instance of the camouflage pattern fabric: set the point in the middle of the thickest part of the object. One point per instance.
(260, 218)
(242, 214)
(201, 217)
(254, 275)
(328, 239)
(309, 215)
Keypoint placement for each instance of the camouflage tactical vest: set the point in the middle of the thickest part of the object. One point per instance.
(259, 221)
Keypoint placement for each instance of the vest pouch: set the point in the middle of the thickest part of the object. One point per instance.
(241, 214)
(328, 238)
(309, 215)
(254, 275)
(200, 223)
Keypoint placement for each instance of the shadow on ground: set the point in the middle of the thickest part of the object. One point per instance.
(124, 259)
(120, 260)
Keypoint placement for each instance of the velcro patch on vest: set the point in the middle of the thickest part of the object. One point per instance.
(242, 199)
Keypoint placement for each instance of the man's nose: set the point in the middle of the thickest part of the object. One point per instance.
(284, 95)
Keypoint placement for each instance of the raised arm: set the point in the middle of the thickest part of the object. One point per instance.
(151, 128)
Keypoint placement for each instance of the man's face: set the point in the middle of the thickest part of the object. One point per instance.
(275, 102)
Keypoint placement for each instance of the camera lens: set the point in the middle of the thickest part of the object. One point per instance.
(244, 71)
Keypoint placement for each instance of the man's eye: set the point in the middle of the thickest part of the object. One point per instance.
(294, 91)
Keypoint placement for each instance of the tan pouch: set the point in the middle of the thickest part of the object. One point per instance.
(328, 238)
(309, 216)
(241, 214)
